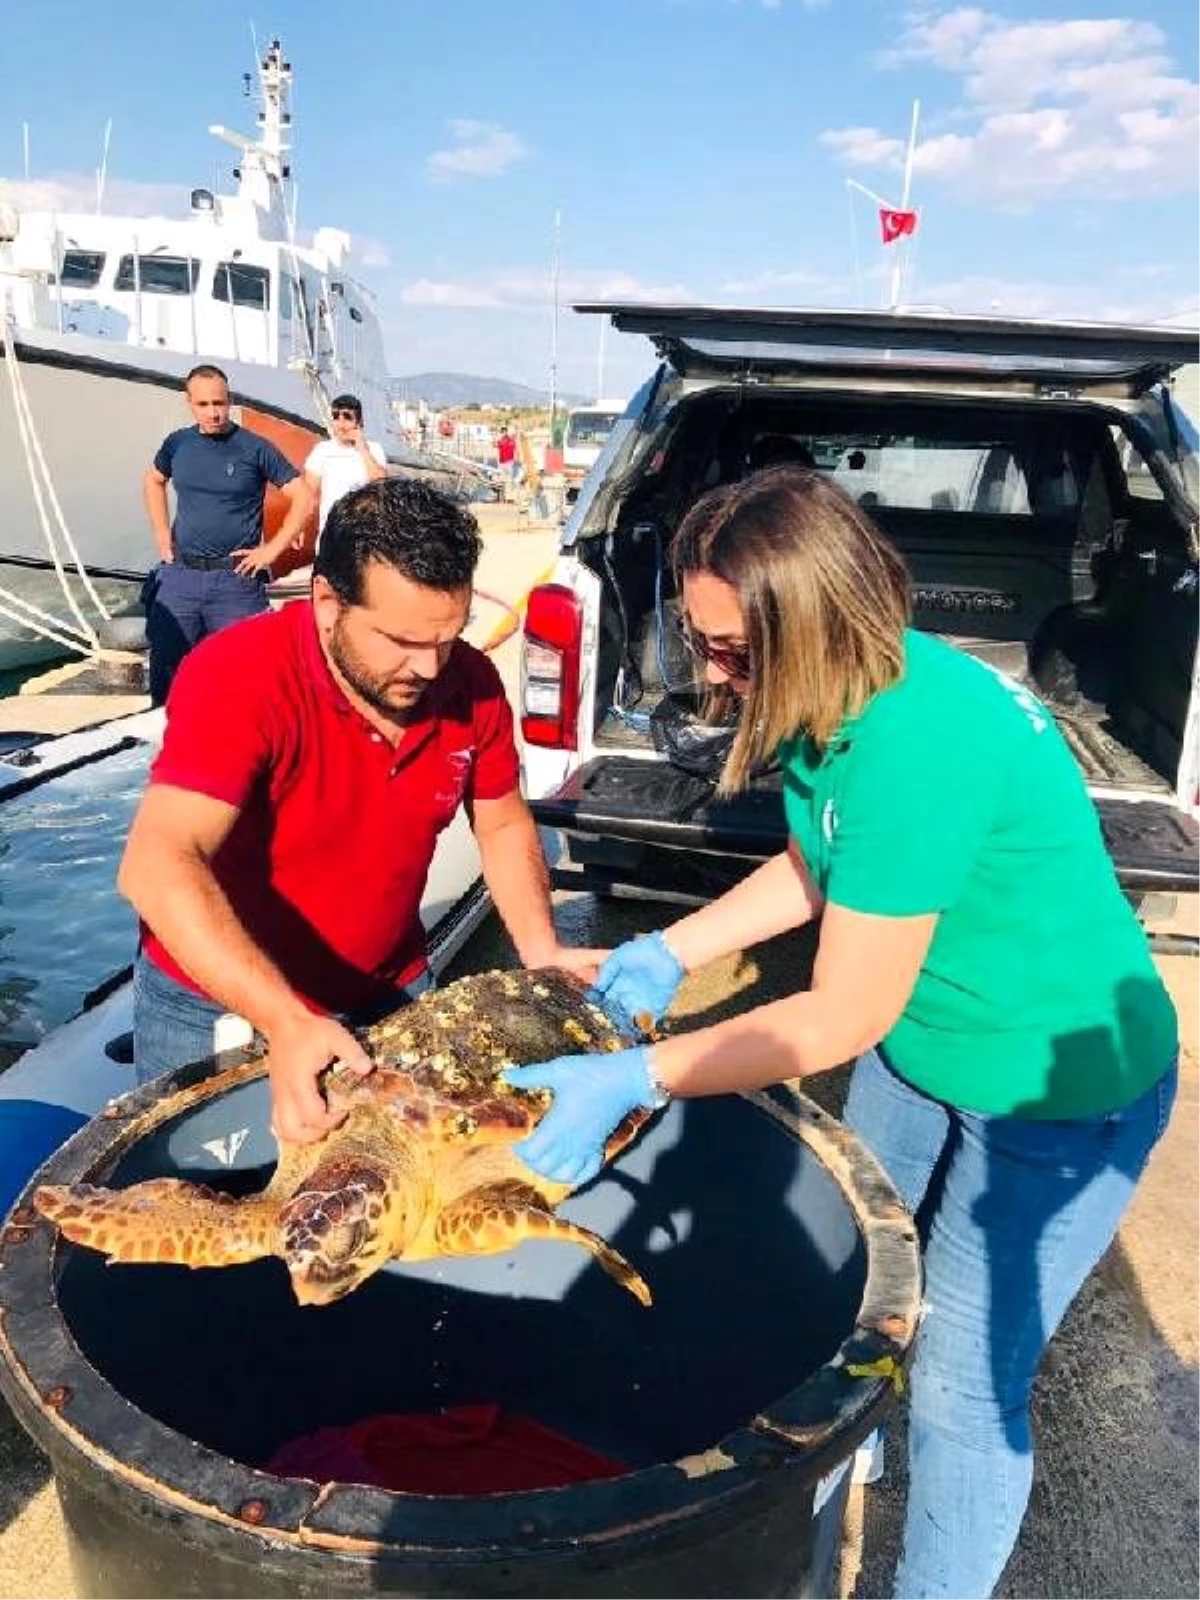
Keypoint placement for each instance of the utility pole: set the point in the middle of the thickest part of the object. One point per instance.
(554, 321)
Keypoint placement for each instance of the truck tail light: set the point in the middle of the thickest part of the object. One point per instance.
(550, 667)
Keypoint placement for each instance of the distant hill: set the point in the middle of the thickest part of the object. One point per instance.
(447, 389)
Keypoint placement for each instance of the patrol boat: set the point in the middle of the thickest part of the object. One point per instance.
(101, 317)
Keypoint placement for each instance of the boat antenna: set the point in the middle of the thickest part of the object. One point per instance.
(102, 172)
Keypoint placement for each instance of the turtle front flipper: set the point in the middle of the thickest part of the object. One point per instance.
(494, 1218)
(162, 1220)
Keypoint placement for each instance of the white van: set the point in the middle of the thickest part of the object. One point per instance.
(587, 431)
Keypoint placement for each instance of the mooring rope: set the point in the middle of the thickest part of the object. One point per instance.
(82, 639)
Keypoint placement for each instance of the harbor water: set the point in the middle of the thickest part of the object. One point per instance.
(64, 929)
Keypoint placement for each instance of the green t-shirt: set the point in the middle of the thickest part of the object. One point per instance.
(954, 792)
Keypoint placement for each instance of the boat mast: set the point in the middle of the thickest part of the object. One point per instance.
(275, 118)
(265, 168)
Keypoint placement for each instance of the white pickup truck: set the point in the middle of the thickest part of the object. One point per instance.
(1041, 486)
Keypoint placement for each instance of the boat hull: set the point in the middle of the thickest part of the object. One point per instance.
(100, 416)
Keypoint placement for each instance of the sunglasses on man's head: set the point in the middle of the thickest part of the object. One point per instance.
(734, 660)
(345, 416)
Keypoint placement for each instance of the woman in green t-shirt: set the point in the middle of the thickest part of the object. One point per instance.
(1014, 1046)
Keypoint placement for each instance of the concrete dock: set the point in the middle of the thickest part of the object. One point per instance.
(517, 551)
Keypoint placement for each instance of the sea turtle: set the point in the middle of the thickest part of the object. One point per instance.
(422, 1166)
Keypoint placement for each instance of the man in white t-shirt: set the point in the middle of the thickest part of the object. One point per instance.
(344, 461)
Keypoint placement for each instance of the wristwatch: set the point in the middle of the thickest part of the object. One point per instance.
(662, 1094)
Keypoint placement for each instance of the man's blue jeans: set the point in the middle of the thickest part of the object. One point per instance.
(183, 606)
(1014, 1214)
(172, 1026)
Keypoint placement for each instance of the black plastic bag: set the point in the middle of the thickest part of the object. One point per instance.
(689, 742)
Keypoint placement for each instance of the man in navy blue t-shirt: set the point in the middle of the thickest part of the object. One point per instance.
(214, 565)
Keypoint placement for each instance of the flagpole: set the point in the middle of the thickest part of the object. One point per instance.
(901, 259)
(858, 277)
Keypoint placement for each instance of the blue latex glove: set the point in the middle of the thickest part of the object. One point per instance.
(592, 1094)
(639, 979)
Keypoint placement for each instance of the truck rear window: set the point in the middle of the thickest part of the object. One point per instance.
(916, 473)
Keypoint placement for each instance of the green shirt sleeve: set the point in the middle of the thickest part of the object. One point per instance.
(918, 797)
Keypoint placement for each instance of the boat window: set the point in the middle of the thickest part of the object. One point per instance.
(159, 274)
(238, 283)
(81, 269)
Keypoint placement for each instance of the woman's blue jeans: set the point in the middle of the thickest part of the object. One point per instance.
(1014, 1214)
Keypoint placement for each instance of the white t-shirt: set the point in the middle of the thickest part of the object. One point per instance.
(340, 469)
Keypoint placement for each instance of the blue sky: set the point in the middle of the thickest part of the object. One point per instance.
(694, 149)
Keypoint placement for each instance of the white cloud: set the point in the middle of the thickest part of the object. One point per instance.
(367, 251)
(1048, 108)
(76, 191)
(480, 150)
(532, 290)
(778, 288)
(1112, 301)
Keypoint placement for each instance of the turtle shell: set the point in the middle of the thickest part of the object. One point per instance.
(455, 1042)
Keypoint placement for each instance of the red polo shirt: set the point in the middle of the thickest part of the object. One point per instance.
(326, 863)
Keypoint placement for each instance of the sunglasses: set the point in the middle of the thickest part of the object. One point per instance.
(734, 660)
(345, 416)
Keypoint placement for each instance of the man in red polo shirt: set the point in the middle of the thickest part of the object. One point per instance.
(311, 758)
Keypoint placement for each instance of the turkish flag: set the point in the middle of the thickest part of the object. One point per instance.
(894, 225)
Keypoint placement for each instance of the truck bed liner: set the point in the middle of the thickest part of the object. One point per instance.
(1154, 845)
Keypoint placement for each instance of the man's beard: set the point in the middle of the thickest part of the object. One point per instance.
(378, 692)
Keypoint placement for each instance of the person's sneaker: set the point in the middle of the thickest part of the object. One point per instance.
(868, 1460)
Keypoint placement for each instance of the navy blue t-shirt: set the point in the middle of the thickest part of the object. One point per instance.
(219, 484)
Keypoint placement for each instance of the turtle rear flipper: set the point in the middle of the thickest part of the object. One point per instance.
(162, 1220)
(494, 1218)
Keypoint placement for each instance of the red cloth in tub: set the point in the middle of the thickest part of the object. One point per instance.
(464, 1450)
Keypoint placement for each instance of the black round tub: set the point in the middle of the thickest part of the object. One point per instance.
(786, 1284)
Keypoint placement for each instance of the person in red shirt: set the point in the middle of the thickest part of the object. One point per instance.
(506, 448)
(508, 460)
(311, 758)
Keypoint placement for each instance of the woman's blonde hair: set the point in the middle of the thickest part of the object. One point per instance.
(825, 599)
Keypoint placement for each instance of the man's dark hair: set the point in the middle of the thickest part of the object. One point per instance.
(205, 370)
(405, 523)
(347, 402)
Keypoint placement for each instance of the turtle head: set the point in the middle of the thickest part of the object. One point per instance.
(343, 1225)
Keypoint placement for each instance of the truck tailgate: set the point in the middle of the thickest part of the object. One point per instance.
(1154, 845)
